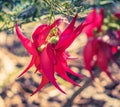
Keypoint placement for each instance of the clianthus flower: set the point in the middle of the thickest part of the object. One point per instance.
(103, 39)
(97, 53)
(48, 50)
(95, 18)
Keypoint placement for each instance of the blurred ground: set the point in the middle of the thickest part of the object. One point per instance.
(16, 92)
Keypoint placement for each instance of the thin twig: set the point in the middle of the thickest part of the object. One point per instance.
(70, 101)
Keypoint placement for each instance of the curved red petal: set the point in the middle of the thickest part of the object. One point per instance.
(42, 35)
(48, 68)
(100, 18)
(25, 41)
(71, 37)
(74, 73)
(88, 54)
(51, 53)
(95, 19)
(38, 31)
(91, 17)
(66, 34)
(28, 67)
(44, 81)
(102, 62)
(61, 70)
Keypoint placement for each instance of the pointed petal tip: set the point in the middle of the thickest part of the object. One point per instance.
(20, 75)
(109, 75)
(63, 91)
(33, 93)
(38, 90)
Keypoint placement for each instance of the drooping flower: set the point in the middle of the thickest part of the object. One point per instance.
(97, 53)
(103, 40)
(48, 50)
(95, 18)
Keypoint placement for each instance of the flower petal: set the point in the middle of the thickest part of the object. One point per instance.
(74, 73)
(61, 70)
(38, 31)
(39, 36)
(107, 50)
(51, 53)
(100, 18)
(76, 32)
(95, 19)
(91, 17)
(25, 41)
(44, 81)
(102, 62)
(88, 54)
(28, 67)
(48, 68)
(71, 37)
(65, 35)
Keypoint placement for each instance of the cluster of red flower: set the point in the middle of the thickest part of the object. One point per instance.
(48, 48)
(103, 40)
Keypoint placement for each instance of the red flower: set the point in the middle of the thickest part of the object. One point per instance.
(97, 52)
(95, 18)
(48, 51)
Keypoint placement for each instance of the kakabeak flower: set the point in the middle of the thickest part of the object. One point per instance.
(98, 51)
(48, 51)
(95, 18)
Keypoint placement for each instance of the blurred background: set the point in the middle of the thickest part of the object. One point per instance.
(15, 92)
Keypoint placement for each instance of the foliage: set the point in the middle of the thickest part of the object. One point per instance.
(25, 11)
